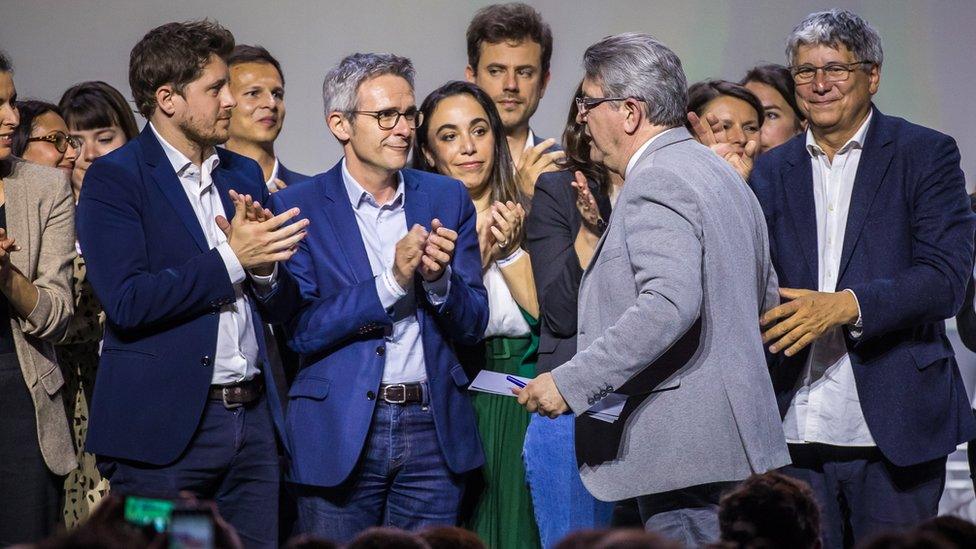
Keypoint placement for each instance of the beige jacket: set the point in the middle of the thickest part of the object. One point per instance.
(41, 218)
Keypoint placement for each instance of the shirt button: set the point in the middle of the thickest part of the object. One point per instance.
(205, 361)
(370, 395)
(381, 350)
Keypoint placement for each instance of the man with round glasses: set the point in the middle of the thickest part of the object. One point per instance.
(380, 429)
(872, 239)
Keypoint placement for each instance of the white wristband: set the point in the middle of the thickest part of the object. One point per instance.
(512, 258)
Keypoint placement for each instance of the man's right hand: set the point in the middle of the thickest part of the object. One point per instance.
(259, 244)
(409, 251)
(535, 162)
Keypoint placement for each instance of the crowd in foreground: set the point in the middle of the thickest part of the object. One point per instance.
(702, 285)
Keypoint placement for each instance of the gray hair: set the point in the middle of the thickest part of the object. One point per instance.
(833, 28)
(342, 82)
(636, 65)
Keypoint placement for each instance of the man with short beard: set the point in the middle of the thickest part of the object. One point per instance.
(179, 404)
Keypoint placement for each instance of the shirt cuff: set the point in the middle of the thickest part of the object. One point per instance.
(388, 289)
(438, 290)
(515, 256)
(265, 284)
(234, 268)
(857, 328)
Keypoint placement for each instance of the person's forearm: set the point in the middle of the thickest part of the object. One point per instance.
(20, 292)
(518, 277)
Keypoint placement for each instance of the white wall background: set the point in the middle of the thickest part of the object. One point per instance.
(927, 77)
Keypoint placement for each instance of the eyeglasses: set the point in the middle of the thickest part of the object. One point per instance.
(389, 118)
(60, 140)
(833, 72)
(585, 104)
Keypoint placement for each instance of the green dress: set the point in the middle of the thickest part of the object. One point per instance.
(503, 516)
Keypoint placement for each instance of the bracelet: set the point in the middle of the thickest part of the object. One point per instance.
(512, 258)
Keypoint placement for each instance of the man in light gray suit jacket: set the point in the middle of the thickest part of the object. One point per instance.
(669, 308)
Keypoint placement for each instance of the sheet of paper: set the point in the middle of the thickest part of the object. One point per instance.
(495, 383)
(609, 408)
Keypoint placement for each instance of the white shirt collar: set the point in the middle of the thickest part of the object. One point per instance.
(856, 140)
(357, 194)
(640, 151)
(270, 184)
(181, 164)
(529, 140)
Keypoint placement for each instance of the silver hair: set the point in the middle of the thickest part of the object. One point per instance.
(636, 65)
(833, 28)
(341, 85)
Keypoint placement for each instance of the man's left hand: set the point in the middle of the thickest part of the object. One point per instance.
(438, 251)
(541, 395)
(806, 317)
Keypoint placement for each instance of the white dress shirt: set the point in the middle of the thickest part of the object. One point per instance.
(504, 316)
(640, 151)
(236, 355)
(381, 227)
(826, 408)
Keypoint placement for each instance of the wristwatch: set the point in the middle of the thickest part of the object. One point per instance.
(601, 226)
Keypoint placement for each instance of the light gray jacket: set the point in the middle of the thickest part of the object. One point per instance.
(669, 313)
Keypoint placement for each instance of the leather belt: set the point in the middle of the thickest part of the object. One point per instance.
(235, 395)
(402, 393)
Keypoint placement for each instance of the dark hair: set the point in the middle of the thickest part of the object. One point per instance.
(700, 93)
(958, 531)
(5, 64)
(634, 538)
(771, 509)
(386, 538)
(577, 147)
(244, 53)
(503, 184)
(95, 104)
(174, 53)
(508, 22)
(451, 537)
(29, 111)
(779, 78)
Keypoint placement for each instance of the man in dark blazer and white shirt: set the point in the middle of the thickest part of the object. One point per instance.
(872, 238)
(179, 402)
(668, 307)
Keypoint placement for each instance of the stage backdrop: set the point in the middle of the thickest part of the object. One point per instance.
(928, 74)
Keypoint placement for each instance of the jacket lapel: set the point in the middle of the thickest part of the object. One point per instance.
(223, 188)
(169, 184)
(798, 188)
(875, 159)
(340, 214)
(416, 202)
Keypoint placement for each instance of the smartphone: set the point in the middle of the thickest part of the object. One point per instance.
(191, 529)
(148, 512)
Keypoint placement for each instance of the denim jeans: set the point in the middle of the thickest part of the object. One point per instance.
(401, 480)
(232, 459)
(562, 504)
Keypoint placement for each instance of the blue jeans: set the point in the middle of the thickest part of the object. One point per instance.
(401, 480)
(562, 504)
(231, 459)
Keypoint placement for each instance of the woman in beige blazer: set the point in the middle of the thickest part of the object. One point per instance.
(36, 251)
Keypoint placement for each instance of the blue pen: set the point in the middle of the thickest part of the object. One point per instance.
(518, 382)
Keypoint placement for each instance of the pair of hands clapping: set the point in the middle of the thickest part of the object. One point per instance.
(426, 252)
(500, 231)
(258, 238)
(710, 133)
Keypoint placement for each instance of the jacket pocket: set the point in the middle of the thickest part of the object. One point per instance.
(52, 380)
(457, 374)
(128, 351)
(315, 388)
(927, 354)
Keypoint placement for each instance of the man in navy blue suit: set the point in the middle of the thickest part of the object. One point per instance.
(379, 427)
(179, 403)
(872, 238)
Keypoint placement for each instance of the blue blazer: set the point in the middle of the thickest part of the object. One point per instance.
(161, 287)
(289, 177)
(907, 255)
(339, 327)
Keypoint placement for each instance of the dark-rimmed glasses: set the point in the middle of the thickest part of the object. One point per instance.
(60, 140)
(389, 118)
(586, 104)
(833, 72)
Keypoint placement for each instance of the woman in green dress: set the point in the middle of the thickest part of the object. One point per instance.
(461, 136)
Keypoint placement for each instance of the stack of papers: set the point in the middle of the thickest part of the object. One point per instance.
(498, 383)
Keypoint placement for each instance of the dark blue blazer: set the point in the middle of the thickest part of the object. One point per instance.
(289, 177)
(161, 287)
(339, 328)
(907, 255)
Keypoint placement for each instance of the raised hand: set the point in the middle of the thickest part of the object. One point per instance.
(261, 241)
(409, 251)
(586, 203)
(535, 162)
(438, 251)
(709, 133)
(506, 228)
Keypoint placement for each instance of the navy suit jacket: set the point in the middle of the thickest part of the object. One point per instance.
(161, 287)
(289, 177)
(907, 255)
(339, 327)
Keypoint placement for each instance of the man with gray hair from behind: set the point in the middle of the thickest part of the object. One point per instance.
(872, 235)
(668, 308)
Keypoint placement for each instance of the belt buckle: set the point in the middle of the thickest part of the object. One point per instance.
(229, 405)
(403, 394)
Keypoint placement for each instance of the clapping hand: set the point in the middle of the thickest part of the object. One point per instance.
(507, 220)
(408, 255)
(586, 203)
(258, 239)
(709, 132)
(535, 162)
(438, 251)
